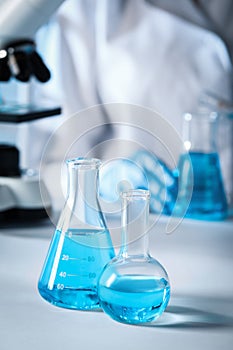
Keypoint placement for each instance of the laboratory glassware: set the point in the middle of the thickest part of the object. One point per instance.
(211, 102)
(81, 245)
(134, 287)
(200, 169)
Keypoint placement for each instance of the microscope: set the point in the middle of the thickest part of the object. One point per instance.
(21, 190)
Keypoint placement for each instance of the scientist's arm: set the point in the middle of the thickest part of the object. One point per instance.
(214, 15)
(19, 21)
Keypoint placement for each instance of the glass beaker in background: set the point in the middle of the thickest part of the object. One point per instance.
(81, 245)
(210, 102)
(200, 135)
(225, 150)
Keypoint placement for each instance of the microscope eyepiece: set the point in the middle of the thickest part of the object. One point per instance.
(20, 60)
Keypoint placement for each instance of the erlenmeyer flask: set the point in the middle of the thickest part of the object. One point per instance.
(208, 200)
(133, 287)
(81, 245)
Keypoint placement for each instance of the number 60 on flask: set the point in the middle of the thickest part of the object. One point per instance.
(81, 245)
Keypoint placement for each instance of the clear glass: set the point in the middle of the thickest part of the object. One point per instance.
(200, 168)
(81, 245)
(134, 288)
(225, 146)
(212, 102)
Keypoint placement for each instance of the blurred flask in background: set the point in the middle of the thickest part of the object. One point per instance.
(200, 169)
(210, 102)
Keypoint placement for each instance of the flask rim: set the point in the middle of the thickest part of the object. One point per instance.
(83, 163)
(135, 194)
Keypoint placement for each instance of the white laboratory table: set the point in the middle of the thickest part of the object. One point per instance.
(198, 257)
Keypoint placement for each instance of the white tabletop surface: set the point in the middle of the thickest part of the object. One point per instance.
(198, 257)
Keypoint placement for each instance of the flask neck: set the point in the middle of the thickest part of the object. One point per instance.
(135, 214)
(82, 209)
(82, 188)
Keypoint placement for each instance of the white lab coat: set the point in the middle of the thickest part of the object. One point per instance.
(128, 52)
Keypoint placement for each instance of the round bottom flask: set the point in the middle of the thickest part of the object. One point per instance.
(134, 288)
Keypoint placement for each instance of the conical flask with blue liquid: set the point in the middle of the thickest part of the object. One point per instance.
(81, 245)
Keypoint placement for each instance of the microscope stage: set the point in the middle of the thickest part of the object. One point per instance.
(18, 113)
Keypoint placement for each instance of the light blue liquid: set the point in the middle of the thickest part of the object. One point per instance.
(72, 268)
(135, 298)
(208, 199)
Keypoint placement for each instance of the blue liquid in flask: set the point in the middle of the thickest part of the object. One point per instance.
(135, 299)
(208, 199)
(72, 268)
